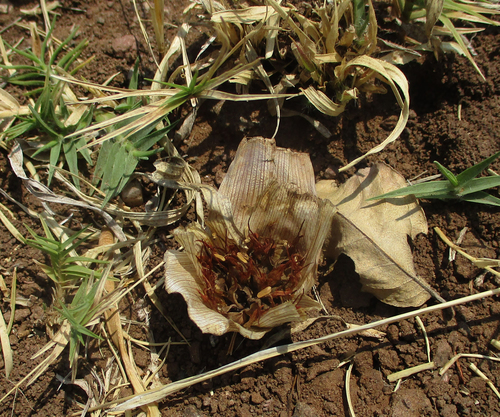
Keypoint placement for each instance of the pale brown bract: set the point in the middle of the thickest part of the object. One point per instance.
(268, 192)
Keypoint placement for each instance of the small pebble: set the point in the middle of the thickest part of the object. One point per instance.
(124, 46)
(191, 411)
(21, 314)
(330, 173)
(256, 398)
(132, 194)
(305, 410)
(393, 333)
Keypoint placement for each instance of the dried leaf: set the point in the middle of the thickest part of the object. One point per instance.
(374, 235)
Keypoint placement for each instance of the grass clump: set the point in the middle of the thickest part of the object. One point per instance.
(429, 13)
(68, 271)
(66, 268)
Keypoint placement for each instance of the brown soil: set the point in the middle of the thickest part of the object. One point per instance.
(307, 382)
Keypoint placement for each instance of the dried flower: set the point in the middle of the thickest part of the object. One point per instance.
(250, 268)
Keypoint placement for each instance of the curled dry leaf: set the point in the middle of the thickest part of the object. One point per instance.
(250, 268)
(374, 234)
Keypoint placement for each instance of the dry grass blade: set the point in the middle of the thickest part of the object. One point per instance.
(6, 348)
(449, 25)
(158, 218)
(433, 9)
(5, 58)
(348, 389)
(13, 297)
(112, 317)
(480, 263)
(158, 18)
(143, 29)
(405, 373)
(161, 72)
(465, 355)
(150, 290)
(397, 81)
(59, 343)
(322, 102)
(246, 15)
(485, 378)
(9, 106)
(10, 227)
(424, 332)
(157, 394)
(43, 193)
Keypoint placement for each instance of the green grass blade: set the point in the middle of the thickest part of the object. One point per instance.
(32, 83)
(145, 143)
(79, 144)
(61, 47)
(19, 68)
(40, 120)
(47, 38)
(360, 17)
(71, 156)
(449, 25)
(72, 243)
(71, 56)
(447, 174)
(478, 184)
(76, 271)
(103, 159)
(55, 152)
(433, 189)
(20, 129)
(482, 198)
(475, 170)
(29, 55)
(114, 171)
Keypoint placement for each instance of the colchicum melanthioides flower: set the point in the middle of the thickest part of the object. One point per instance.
(249, 269)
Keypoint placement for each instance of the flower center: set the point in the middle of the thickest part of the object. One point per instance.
(242, 284)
